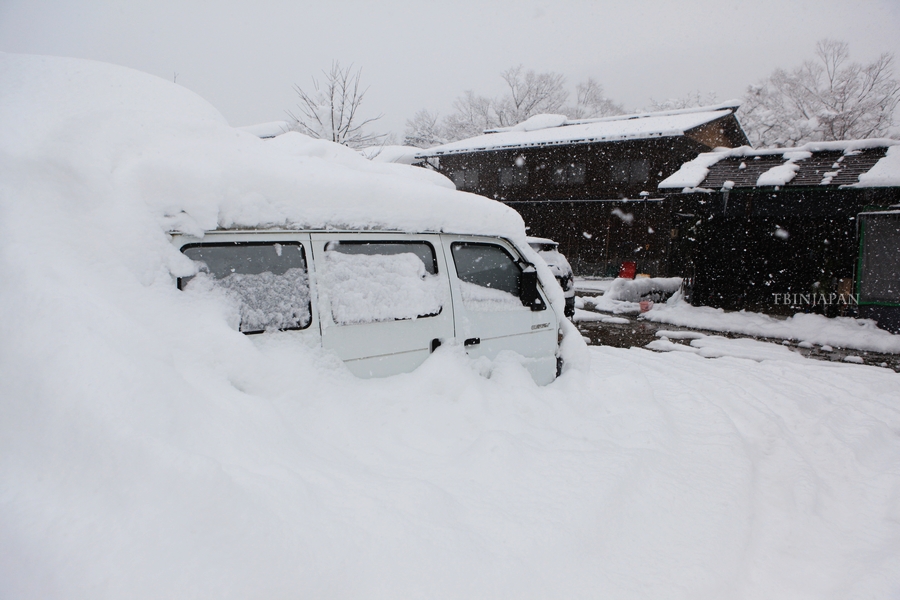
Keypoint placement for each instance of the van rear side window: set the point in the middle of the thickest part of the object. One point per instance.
(267, 281)
(368, 282)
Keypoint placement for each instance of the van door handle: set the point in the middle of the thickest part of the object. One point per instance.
(472, 342)
(435, 344)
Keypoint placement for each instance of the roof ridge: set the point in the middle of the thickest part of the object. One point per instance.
(732, 105)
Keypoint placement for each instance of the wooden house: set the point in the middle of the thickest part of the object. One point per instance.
(591, 184)
(776, 230)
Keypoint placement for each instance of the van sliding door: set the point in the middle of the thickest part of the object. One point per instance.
(384, 299)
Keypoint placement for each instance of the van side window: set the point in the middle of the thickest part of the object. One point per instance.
(490, 278)
(368, 282)
(267, 281)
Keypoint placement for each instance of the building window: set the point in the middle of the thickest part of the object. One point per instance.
(569, 174)
(513, 177)
(630, 172)
(465, 179)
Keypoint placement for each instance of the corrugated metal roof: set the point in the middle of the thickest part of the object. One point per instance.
(650, 125)
(822, 168)
(743, 171)
(860, 163)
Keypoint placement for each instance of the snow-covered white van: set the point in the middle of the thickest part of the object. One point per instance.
(382, 301)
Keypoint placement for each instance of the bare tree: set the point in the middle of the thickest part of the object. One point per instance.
(592, 102)
(331, 110)
(690, 100)
(829, 98)
(528, 94)
(473, 114)
(424, 130)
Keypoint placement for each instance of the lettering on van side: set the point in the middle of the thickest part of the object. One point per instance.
(540, 326)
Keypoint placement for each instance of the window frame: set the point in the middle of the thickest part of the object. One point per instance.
(180, 281)
(564, 174)
(626, 171)
(516, 263)
(434, 261)
(517, 177)
(399, 242)
(469, 178)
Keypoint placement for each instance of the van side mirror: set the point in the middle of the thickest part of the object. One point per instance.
(528, 289)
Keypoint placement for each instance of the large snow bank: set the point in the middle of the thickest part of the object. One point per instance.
(170, 153)
(148, 450)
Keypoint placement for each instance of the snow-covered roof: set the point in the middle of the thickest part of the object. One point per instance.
(544, 130)
(540, 240)
(852, 163)
(405, 155)
(268, 130)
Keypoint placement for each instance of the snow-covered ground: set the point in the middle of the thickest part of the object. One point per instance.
(620, 296)
(147, 449)
(843, 332)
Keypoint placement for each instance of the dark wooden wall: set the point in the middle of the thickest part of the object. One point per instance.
(611, 169)
(597, 236)
(730, 246)
(599, 201)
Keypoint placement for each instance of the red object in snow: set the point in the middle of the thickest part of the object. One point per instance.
(628, 269)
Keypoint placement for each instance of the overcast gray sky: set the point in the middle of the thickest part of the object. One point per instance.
(244, 57)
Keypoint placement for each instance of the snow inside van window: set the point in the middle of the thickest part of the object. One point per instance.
(489, 277)
(370, 282)
(267, 281)
(479, 298)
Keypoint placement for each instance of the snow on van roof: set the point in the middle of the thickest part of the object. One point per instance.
(268, 130)
(139, 146)
(542, 130)
(782, 165)
(405, 155)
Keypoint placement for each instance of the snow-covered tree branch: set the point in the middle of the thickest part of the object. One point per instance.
(689, 100)
(828, 98)
(331, 110)
(528, 93)
(591, 102)
(424, 130)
